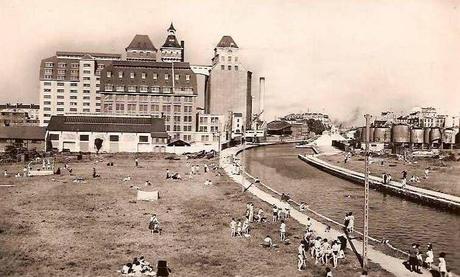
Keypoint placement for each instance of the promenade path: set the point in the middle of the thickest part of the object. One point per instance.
(389, 263)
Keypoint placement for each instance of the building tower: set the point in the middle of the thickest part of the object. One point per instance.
(228, 88)
(172, 51)
(141, 48)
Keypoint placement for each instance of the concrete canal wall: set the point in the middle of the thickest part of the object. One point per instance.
(423, 196)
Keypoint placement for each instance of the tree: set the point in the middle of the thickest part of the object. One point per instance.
(316, 126)
(98, 143)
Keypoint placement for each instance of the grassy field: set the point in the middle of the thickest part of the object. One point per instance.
(444, 176)
(51, 226)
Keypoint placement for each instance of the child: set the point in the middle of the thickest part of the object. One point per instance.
(283, 231)
(429, 256)
(300, 262)
(233, 227)
(275, 213)
(442, 265)
(308, 224)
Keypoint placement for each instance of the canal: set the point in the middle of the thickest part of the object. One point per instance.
(400, 221)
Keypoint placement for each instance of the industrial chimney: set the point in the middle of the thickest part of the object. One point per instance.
(261, 97)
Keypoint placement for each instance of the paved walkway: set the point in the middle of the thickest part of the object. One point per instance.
(434, 195)
(389, 263)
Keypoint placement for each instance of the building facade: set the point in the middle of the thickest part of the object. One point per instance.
(69, 83)
(141, 48)
(109, 134)
(161, 89)
(172, 51)
(19, 114)
(27, 137)
(228, 88)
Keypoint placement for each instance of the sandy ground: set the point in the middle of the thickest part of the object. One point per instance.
(443, 177)
(54, 227)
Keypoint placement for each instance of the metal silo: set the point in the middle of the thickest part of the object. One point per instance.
(417, 136)
(371, 134)
(382, 134)
(426, 135)
(400, 134)
(435, 135)
(448, 136)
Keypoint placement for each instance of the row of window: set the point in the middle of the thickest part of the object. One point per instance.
(146, 98)
(72, 65)
(143, 75)
(229, 58)
(213, 129)
(143, 108)
(112, 138)
(154, 89)
(229, 67)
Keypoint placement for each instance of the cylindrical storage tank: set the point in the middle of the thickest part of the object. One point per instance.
(371, 134)
(417, 135)
(382, 134)
(357, 135)
(363, 134)
(400, 133)
(435, 135)
(448, 136)
(426, 135)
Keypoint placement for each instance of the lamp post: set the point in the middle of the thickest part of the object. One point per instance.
(366, 193)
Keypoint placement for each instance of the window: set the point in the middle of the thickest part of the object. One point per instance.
(86, 98)
(48, 109)
(54, 136)
(60, 103)
(229, 58)
(86, 71)
(61, 71)
(188, 118)
(74, 65)
(236, 59)
(108, 87)
(187, 77)
(48, 77)
(86, 65)
(168, 128)
(73, 84)
(177, 108)
(177, 77)
(143, 138)
(143, 108)
(166, 76)
(62, 65)
(131, 97)
(120, 74)
(188, 128)
(176, 127)
(131, 108)
(114, 138)
(86, 110)
(236, 68)
(188, 109)
(86, 104)
(222, 67)
(143, 75)
(86, 78)
(73, 103)
(60, 109)
(73, 109)
(109, 74)
(188, 99)
(155, 89)
(155, 76)
(204, 138)
(60, 84)
(167, 98)
(222, 58)
(73, 91)
(143, 88)
(229, 67)
(166, 108)
(86, 85)
(48, 71)
(86, 91)
(47, 83)
(47, 97)
(107, 107)
(166, 90)
(47, 90)
(177, 118)
(60, 77)
(132, 88)
(48, 64)
(84, 137)
(120, 88)
(131, 75)
(155, 108)
(47, 103)
(60, 97)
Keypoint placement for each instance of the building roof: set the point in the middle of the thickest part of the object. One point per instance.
(23, 132)
(81, 54)
(141, 42)
(277, 125)
(171, 41)
(227, 41)
(154, 126)
(151, 64)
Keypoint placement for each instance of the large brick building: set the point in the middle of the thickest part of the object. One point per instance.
(69, 83)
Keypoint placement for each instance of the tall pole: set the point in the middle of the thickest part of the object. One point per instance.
(366, 193)
(243, 143)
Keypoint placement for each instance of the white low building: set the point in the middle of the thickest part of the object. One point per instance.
(106, 134)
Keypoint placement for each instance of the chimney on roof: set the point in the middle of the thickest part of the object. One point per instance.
(182, 45)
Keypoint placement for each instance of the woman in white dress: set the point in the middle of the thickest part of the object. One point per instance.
(429, 256)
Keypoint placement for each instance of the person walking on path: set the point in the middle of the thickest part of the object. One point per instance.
(283, 231)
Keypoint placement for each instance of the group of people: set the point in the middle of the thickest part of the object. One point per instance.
(154, 224)
(416, 261)
(239, 228)
(173, 176)
(138, 266)
(280, 213)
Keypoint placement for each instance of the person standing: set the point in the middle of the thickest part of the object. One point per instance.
(429, 256)
(351, 222)
(413, 257)
(442, 265)
(251, 212)
(233, 227)
(283, 231)
(275, 213)
(137, 162)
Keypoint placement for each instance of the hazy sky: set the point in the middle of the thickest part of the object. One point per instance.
(340, 57)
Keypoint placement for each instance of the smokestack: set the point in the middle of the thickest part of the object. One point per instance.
(261, 96)
(182, 44)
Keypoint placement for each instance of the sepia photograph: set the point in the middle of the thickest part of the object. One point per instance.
(255, 138)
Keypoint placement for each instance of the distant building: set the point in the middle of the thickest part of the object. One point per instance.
(279, 127)
(113, 133)
(29, 137)
(69, 83)
(421, 117)
(228, 87)
(19, 114)
(172, 51)
(303, 117)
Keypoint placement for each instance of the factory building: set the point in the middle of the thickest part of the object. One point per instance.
(228, 88)
(69, 83)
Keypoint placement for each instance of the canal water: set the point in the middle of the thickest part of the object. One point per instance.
(400, 221)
